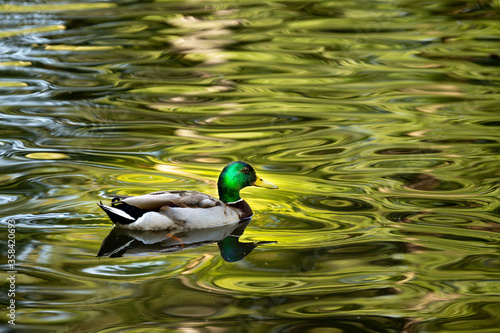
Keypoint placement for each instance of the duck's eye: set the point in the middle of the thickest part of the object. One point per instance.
(246, 170)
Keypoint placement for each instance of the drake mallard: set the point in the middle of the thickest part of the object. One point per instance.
(188, 209)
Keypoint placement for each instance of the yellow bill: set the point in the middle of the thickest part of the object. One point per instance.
(262, 183)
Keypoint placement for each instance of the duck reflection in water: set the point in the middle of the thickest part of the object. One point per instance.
(124, 242)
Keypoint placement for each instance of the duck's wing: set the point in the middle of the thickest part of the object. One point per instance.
(174, 209)
(157, 200)
(127, 209)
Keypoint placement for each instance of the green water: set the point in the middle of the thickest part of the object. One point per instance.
(378, 120)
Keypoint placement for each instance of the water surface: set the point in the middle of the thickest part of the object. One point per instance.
(378, 120)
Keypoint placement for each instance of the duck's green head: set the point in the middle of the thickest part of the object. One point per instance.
(234, 177)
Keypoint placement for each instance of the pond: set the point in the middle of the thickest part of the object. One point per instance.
(378, 120)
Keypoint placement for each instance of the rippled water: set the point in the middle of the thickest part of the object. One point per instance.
(378, 120)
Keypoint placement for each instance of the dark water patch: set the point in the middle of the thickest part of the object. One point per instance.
(345, 324)
(425, 182)
(480, 317)
(407, 151)
(438, 218)
(465, 141)
(487, 263)
(451, 238)
(338, 204)
(408, 163)
(438, 202)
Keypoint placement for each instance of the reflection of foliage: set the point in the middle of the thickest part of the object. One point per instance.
(378, 118)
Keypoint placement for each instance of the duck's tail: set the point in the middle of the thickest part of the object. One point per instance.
(117, 214)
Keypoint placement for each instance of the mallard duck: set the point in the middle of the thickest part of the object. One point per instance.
(188, 209)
